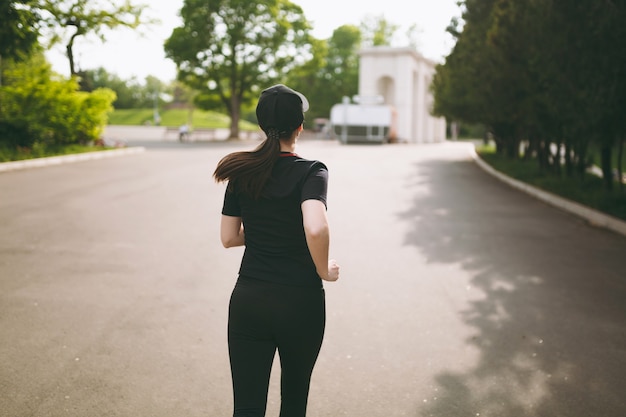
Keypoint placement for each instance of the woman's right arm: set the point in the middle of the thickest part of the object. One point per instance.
(317, 235)
(231, 232)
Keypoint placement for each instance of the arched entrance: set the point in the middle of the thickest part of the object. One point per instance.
(402, 77)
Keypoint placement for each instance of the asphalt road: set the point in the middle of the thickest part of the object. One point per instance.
(458, 296)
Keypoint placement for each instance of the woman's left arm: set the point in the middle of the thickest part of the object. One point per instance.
(231, 231)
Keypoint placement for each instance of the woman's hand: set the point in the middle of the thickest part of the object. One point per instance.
(333, 271)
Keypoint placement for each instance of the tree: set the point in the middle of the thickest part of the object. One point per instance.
(70, 19)
(413, 35)
(340, 77)
(331, 73)
(228, 50)
(543, 73)
(378, 31)
(130, 93)
(19, 29)
(457, 84)
(310, 80)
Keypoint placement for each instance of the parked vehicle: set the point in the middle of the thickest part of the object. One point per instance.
(368, 121)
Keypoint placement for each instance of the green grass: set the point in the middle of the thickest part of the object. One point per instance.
(588, 191)
(131, 117)
(175, 118)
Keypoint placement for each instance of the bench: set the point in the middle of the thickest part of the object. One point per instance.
(203, 133)
(171, 132)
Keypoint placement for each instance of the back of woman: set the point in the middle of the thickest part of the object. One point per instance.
(276, 248)
(275, 205)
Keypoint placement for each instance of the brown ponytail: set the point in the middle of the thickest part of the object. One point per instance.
(280, 112)
(248, 171)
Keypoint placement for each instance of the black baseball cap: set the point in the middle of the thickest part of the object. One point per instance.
(281, 107)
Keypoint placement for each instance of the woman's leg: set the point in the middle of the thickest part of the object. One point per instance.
(251, 349)
(299, 338)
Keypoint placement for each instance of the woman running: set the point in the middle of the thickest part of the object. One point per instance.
(275, 205)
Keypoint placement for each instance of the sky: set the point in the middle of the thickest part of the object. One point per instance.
(130, 54)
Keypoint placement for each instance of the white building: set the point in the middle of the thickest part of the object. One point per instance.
(402, 77)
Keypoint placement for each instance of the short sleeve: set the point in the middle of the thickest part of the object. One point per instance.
(231, 205)
(315, 186)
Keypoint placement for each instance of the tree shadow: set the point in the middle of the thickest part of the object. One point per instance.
(549, 326)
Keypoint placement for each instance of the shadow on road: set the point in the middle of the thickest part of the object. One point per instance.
(549, 324)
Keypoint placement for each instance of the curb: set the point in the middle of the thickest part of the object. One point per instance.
(62, 159)
(594, 217)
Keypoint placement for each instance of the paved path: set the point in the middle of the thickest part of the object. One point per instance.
(459, 296)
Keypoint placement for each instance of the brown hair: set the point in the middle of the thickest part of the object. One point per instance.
(248, 171)
(280, 111)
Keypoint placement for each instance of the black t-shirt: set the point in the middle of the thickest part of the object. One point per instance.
(276, 248)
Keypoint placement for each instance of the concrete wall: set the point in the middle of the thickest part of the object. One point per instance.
(402, 77)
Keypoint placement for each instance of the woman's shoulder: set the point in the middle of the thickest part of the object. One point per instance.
(310, 164)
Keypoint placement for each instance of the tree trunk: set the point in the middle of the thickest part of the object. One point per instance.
(235, 115)
(531, 148)
(620, 173)
(556, 158)
(568, 159)
(499, 145)
(70, 53)
(513, 148)
(605, 161)
(581, 162)
(539, 152)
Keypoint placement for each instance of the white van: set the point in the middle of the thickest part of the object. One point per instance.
(365, 122)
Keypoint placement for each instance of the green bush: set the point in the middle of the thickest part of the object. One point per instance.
(41, 109)
(176, 117)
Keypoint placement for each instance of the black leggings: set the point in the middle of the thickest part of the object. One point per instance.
(264, 317)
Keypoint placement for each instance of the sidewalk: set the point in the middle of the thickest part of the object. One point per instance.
(61, 159)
